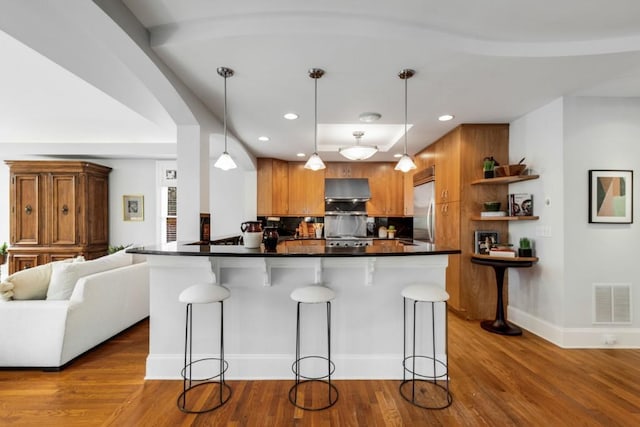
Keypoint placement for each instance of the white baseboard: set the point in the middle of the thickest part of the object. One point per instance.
(612, 336)
(278, 366)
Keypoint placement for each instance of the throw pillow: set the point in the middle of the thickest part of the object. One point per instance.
(6, 291)
(31, 283)
(65, 276)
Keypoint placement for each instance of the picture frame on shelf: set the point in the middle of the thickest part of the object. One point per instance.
(484, 240)
(520, 204)
(133, 207)
(611, 196)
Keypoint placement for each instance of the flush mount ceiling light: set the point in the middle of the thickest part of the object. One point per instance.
(315, 162)
(290, 116)
(369, 117)
(263, 138)
(225, 162)
(357, 151)
(445, 117)
(405, 164)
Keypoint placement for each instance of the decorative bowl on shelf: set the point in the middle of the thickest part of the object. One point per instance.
(509, 170)
(492, 206)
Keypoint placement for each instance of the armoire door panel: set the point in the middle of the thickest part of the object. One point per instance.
(97, 208)
(63, 213)
(26, 210)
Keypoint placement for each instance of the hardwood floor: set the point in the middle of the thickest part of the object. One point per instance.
(496, 381)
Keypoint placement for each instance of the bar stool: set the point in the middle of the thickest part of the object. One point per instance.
(438, 396)
(204, 293)
(315, 294)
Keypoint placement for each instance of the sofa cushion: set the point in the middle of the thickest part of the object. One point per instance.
(31, 283)
(65, 276)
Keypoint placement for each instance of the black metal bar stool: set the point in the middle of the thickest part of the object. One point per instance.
(205, 293)
(437, 395)
(315, 294)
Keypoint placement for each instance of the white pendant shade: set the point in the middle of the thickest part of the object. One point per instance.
(358, 152)
(405, 164)
(314, 163)
(225, 162)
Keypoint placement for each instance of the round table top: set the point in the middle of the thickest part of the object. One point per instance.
(494, 261)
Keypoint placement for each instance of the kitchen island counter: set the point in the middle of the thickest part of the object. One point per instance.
(260, 315)
(403, 248)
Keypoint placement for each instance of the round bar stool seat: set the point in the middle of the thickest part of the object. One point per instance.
(315, 294)
(202, 293)
(438, 396)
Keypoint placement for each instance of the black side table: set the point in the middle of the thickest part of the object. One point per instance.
(500, 324)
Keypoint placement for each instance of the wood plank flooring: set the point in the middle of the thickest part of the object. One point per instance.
(496, 381)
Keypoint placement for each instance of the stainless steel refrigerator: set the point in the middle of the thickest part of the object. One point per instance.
(424, 205)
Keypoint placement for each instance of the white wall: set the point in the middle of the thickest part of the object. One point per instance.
(233, 200)
(563, 141)
(600, 133)
(538, 137)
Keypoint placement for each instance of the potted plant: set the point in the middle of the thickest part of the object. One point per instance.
(488, 166)
(3, 253)
(525, 250)
(114, 249)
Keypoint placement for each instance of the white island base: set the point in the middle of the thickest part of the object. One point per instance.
(260, 317)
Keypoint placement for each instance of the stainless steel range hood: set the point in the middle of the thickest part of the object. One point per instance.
(347, 189)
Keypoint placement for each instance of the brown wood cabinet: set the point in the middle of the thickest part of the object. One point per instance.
(288, 189)
(306, 191)
(387, 190)
(58, 210)
(273, 187)
(458, 162)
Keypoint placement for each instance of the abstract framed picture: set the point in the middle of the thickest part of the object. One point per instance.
(611, 196)
(133, 207)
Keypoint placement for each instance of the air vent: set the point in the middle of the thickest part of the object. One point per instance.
(611, 303)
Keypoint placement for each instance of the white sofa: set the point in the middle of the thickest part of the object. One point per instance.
(49, 333)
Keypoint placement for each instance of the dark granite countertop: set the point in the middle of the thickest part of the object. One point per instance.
(406, 248)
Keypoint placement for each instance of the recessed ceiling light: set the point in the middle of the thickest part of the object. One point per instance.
(300, 154)
(397, 155)
(445, 117)
(370, 117)
(263, 138)
(290, 116)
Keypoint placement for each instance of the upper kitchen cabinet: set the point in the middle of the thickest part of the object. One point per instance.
(58, 210)
(346, 170)
(273, 187)
(447, 163)
(387, 190)
(306, 190)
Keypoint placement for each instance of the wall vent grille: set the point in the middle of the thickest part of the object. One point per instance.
(611, 303)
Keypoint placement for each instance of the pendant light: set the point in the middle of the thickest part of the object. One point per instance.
(225, 162)
(315, 163)
(405, 164)
(357, 151)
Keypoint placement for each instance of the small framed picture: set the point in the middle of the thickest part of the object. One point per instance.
(611, 196)
(133, 207)
(170, 174)
(484, 240)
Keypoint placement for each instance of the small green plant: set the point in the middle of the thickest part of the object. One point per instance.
(525, 243)
(488, 164)
(114, 249)
(3, 248)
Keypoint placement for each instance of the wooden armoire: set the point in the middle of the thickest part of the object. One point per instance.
(58, 210)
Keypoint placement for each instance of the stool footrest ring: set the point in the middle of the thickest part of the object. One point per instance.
(332, 396)
(431, 377)
(446, 394)
(219, 402)
(183, 372)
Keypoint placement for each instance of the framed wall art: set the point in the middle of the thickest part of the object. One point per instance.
(133, 207)
(484, 240)
(611, 196)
